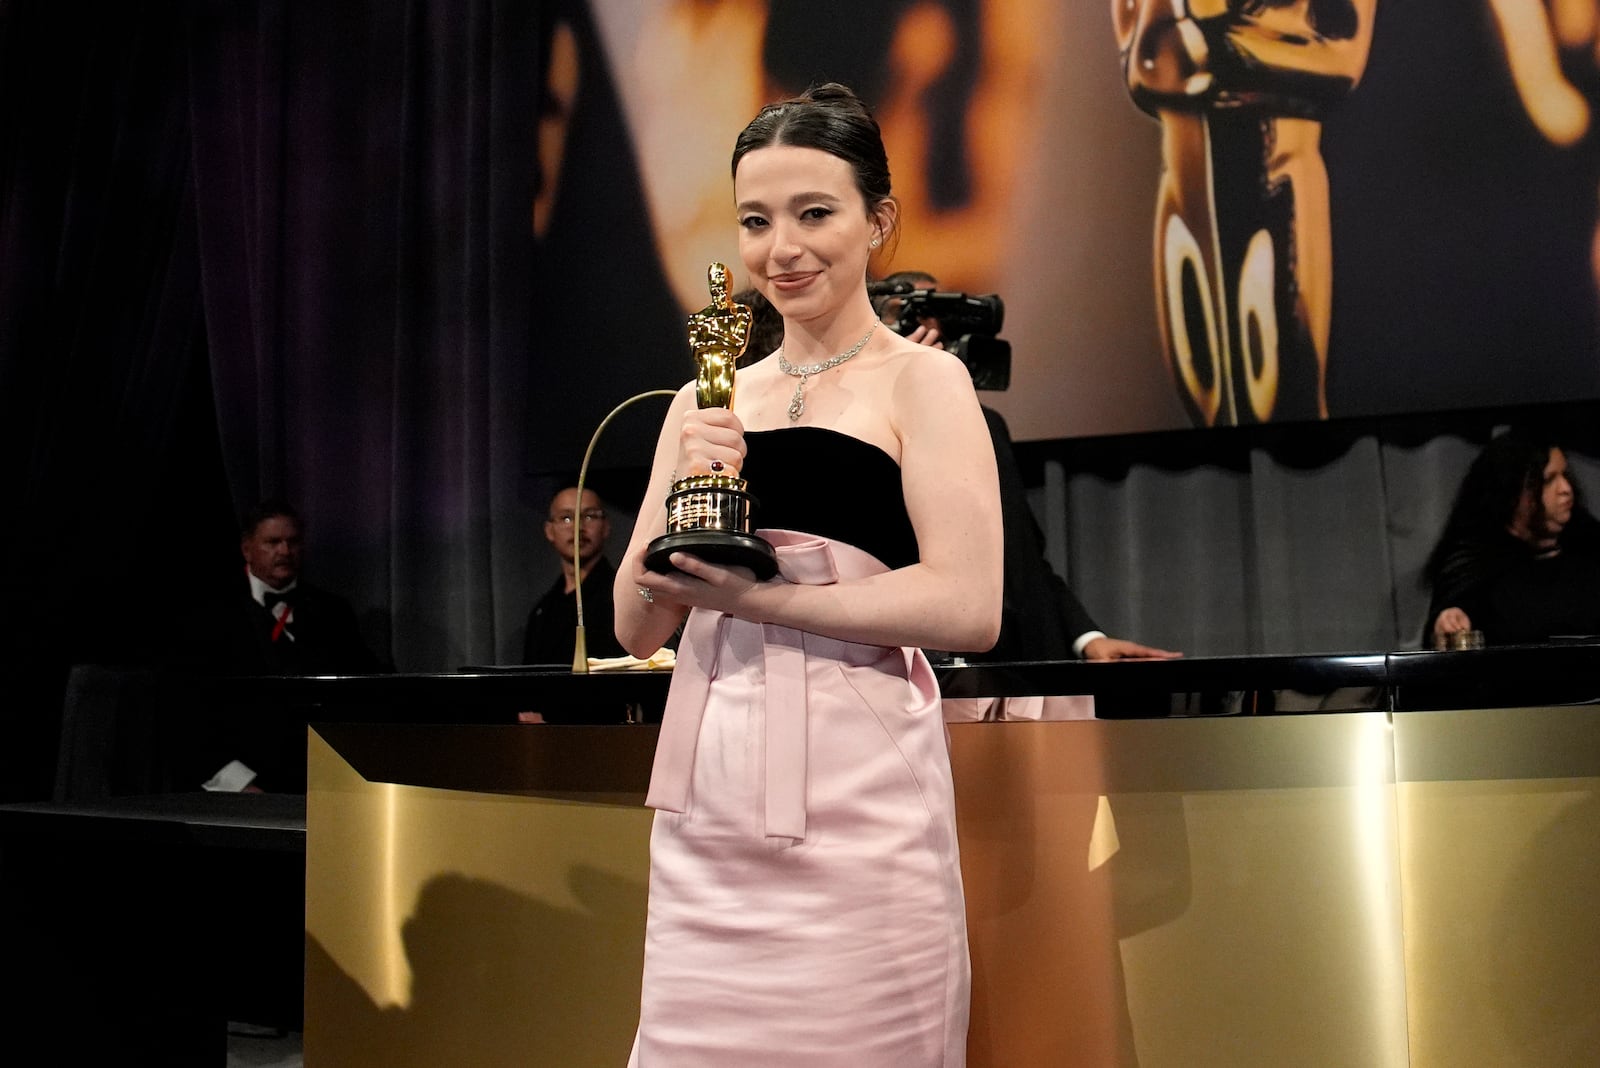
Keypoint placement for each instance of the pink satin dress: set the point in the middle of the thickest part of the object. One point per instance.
(805, 888)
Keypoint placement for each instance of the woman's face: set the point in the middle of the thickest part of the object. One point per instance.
(1555, 497)
(804, 231)
(1557, 493)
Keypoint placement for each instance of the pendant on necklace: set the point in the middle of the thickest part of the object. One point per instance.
(797, 403)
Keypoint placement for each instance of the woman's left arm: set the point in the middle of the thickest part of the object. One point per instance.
(952, 493)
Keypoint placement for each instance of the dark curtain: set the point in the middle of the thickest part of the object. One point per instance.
(253, 248)
(117, 501)
(363, 176)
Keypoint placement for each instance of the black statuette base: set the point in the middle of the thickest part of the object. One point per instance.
(726, 547)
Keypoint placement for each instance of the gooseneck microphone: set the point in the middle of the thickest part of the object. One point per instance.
(580, 645)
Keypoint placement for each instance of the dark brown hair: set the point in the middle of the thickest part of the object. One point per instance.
(830, 118)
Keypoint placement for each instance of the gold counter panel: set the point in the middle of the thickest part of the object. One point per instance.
(1358, 889)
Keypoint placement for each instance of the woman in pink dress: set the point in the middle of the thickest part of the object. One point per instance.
(805, 887)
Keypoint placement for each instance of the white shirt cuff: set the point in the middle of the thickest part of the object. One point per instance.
(233, 777)
(1084, 639)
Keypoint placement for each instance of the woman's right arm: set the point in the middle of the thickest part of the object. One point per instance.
(691, 438)
(644, 626)
(1450, 621)
(1454, 594)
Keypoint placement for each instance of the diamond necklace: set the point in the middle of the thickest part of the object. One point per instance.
(797, 403)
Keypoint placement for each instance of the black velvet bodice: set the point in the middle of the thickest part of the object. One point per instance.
(822, 482)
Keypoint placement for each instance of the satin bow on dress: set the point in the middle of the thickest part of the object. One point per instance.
(805, 560)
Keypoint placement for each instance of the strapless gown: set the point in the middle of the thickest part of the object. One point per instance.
(805, 887)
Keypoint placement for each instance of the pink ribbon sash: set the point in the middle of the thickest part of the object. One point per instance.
(803, 559)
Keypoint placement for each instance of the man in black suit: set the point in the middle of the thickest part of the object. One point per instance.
(553, 620)
(1042, 618)
(277, 623)
(270, 622)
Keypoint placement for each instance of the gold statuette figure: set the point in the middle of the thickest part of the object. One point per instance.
(718, 333)
(709, 515)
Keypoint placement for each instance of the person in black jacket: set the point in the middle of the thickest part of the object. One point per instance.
(269, 621)
(553, 621)
(276, 622)
(1519, 559)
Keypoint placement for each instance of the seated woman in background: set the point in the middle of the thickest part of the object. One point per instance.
(1519, 559)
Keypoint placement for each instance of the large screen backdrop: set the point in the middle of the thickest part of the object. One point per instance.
(1207, 212)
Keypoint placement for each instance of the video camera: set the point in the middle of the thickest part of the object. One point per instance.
(967, 324)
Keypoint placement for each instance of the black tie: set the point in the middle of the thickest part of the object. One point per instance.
(272, 600)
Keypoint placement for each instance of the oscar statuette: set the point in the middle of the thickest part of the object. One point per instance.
(709, 515)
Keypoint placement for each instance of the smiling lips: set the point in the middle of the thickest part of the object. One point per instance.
(788, 283)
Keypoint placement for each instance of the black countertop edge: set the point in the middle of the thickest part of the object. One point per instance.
(1310, 674)
(244, 821)
(1565, 670)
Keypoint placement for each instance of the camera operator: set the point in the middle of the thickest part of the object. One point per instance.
(890, 303)
(966, 325)
(1043, 619)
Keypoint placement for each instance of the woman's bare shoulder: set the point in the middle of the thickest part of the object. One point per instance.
(923, 375)
(903, 354)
